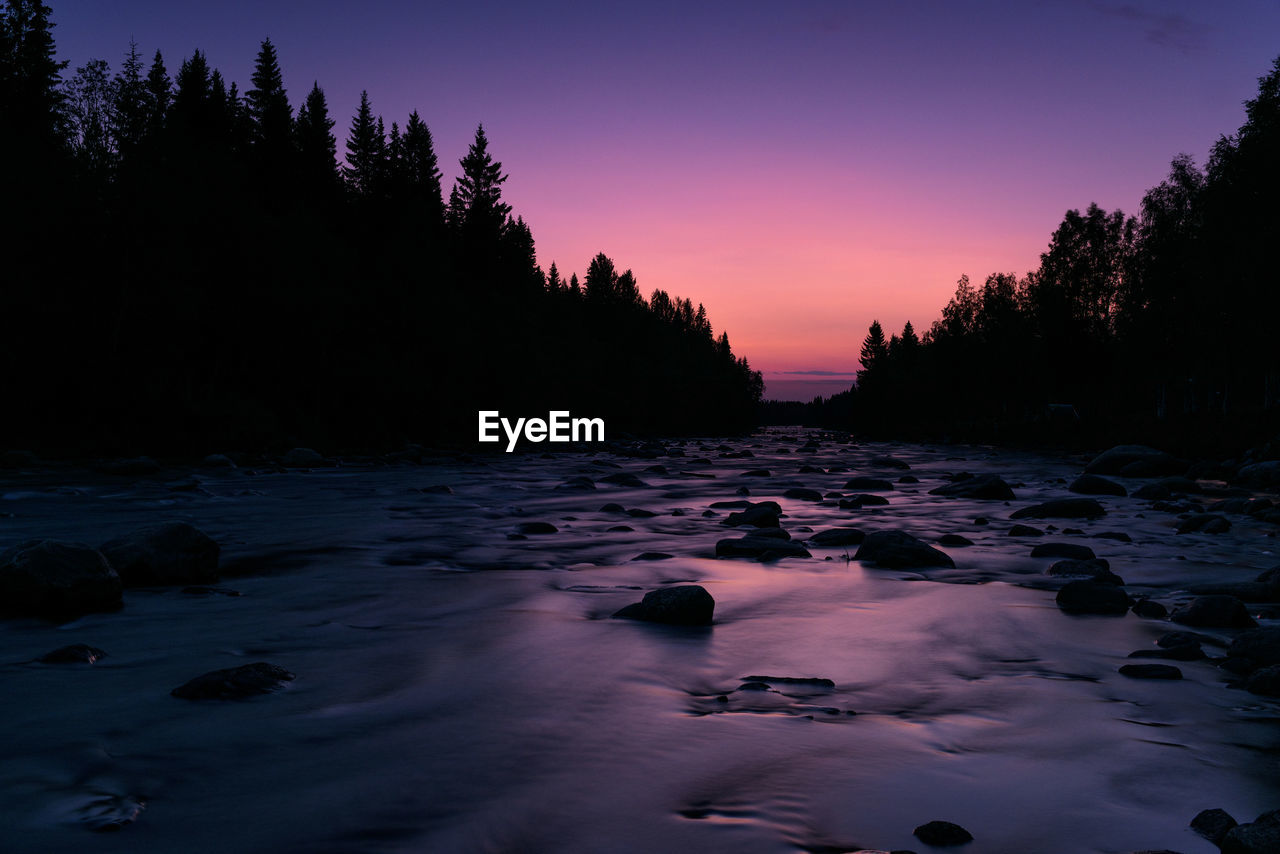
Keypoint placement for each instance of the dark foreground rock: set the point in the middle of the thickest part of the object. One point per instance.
(942, 833)
(868, 484)
(1204, 523)
(168, 553)
(1261, 836)
(1150, 671)
(1062, 508)
(762, 547)
(1067, 550)
(235, 683)
(685, 605)
(762, 515)
(985, 487)
(1098, 570)
(1092, 484)
(1116, 460)
(1093, 597)
(1260, 647)
(76, 653)
(900, 550)
(802, 494)
(1214, 612)
(49, 578)
(1265, 682)
(1213, 824)
(838, 537)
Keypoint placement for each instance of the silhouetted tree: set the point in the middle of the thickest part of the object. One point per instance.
(317, 147)
(366, 149)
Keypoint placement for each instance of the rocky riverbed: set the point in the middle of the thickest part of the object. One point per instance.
(407, 656)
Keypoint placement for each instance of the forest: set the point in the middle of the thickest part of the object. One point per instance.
(190, 266)
(1156, 326)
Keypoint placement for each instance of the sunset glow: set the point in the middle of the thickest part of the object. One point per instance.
(799, 169)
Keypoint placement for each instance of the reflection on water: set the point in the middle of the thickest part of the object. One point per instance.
(461, 690)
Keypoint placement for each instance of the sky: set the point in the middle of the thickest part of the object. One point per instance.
(800, 168)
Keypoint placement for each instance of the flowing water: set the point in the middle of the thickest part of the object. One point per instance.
(461, 690)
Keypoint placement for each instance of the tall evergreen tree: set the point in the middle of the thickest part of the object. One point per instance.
(421, 171)
(365, 151)
(269, 104)
(128, 107)
(479, 190)
(874, 349)
(31, 98)
(317, 147)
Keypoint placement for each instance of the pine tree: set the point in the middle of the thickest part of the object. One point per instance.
(479, 190)
(602, 279)
(128, 107)
(31, 99)
(554, 284)
(874, 349)
(421, 172)
(317, 147)
(269, 108)
(366, 147)
(157, 96)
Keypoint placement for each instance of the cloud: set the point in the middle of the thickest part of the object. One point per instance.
(1162, 28)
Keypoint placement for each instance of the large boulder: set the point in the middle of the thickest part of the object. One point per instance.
(1259, 646)
(1261, 474)
(1062, 508)
(900, 550)
(684, 605)
(48, 578)
(1265, 681)
(802, 494)
(838, 537)
(1092, 484)
(1098, 570)
(1214, 612)
(1114, 460)
(868, 484)
(988, 487)
(764, 548)
(1204, 523)
(1261, 836)
(1093, 597)
(762, 515)
(167, 553)
(234, 683)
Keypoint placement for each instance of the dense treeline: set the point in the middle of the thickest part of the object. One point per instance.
(1158, 324)
(188, 265)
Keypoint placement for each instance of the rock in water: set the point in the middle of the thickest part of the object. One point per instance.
(302, 458)
(762, 515)
(1150, 671)
(1261, 647)
(900, 550)
(1261, 836)
(764, 548)
(77, 653)
(942, 833)
(1205, 523)
(684, 605)
(48, 578)
(168, 553)
(1067, 550)
(988, 487)
(1113, 460)
(1265, 682)
(1093, 597)
(1062, 508)
(801, 494)
(1092, 484)
(1215, 612)
(235, 683)
(536, 528)
(869, 484)
(838, 537)
(1213, 824)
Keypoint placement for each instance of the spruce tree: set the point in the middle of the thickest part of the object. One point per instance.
(874, 348)
(128, 107)
(479, 190)
(269, 106)
(421, 172)
(365, 151)
(317, 147)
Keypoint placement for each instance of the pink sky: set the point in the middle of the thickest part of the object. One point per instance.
(800, 168)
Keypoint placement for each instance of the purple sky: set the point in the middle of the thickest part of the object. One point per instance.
(801, 168)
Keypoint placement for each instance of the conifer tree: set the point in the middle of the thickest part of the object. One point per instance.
(874, 349)
(31, 98)
(317, 147)
(478, 201)
(269, 108)
(366, 147)
(128, 107)
(421, 172)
